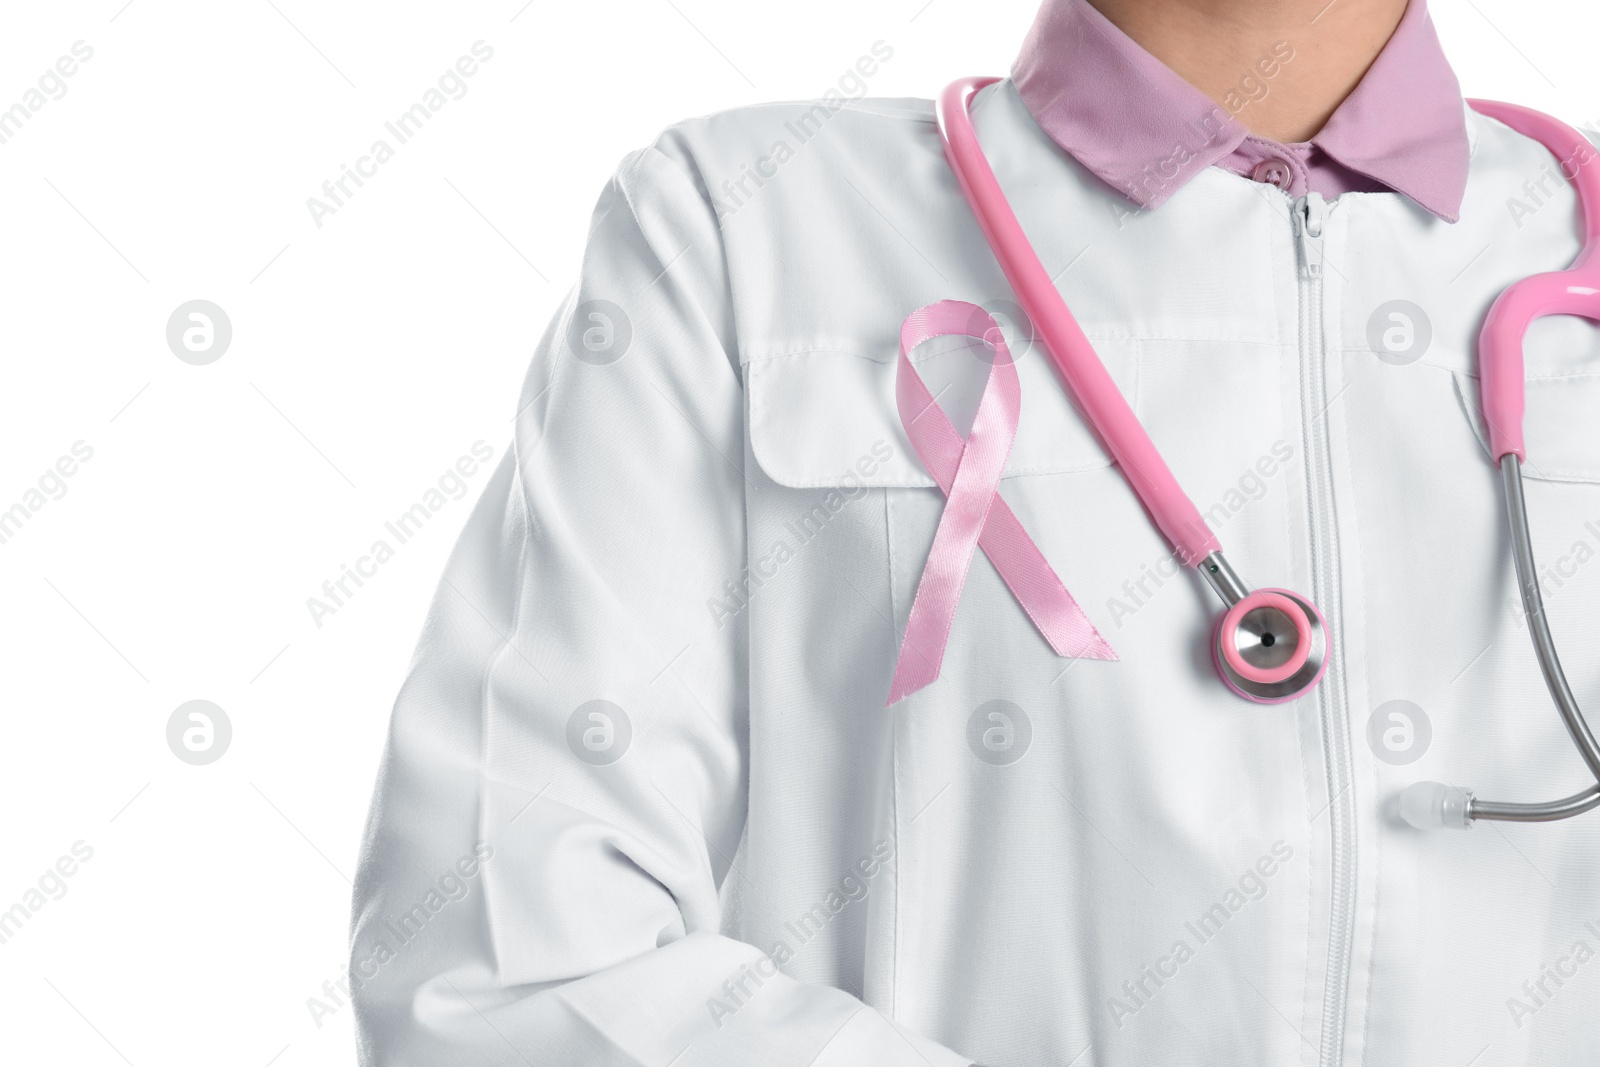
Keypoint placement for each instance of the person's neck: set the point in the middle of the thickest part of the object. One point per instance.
(1216, 45)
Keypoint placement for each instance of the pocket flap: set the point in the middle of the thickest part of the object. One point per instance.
(1561, 426)
(826, 417)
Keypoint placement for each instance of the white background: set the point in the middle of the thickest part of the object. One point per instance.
(367, 356)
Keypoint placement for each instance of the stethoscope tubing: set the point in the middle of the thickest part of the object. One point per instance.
(1502, 381)
(1088, 382)
(1574, 291)
(1090, 387)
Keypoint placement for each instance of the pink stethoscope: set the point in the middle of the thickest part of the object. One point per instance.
(1270, 645)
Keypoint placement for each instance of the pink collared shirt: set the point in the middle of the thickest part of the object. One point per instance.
(1133, 121)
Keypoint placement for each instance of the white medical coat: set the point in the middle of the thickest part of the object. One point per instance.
(642, 802)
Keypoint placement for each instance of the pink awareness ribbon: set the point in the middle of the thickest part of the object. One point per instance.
(968, 472)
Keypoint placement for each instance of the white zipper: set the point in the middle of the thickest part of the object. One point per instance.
(1310, 219)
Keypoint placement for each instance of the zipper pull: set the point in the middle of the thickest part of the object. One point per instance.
(1310, 215)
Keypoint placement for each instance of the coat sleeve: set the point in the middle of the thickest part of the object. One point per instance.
(563, 785)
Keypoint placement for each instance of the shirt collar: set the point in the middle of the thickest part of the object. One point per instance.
(1137, 124)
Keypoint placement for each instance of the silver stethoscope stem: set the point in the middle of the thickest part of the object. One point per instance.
(1576, 804)
(1437, 805)
(1221, 576)
(1544, 645)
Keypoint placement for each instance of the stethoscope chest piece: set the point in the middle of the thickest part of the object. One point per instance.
(1271, 646)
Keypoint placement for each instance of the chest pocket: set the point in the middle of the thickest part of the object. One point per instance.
(851, 489)
(827, 418)
(1562, 421)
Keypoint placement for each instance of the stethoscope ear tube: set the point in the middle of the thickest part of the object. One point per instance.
(1432, 806)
